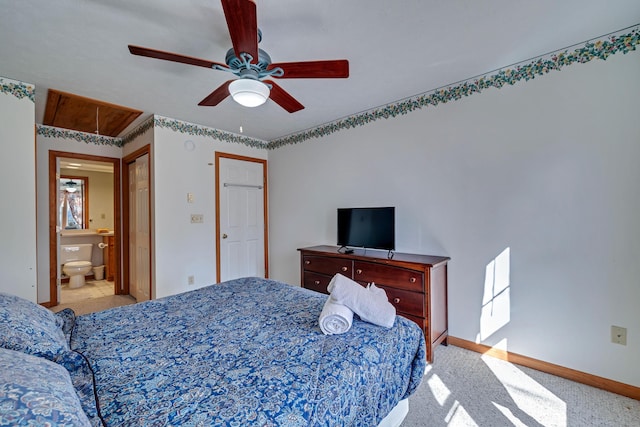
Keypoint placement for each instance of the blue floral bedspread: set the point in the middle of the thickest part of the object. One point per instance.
(245, 352)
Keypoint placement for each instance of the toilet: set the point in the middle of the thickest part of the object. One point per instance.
(76, 260)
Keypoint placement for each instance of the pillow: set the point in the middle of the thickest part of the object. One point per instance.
(68, 318)
(30, 328)
(82, 380)
(35, 391)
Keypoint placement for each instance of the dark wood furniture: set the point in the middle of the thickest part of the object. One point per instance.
(109, 257)
(415, 284)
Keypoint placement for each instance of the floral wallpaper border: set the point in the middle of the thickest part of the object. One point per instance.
(198, 130)
(88, 138)
(621, 41)
(152, 122)
(18, 89)
(140, 130)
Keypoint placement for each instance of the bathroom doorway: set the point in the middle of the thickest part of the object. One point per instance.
(84, 208)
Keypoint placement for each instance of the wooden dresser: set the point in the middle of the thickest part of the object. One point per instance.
(415, 284)
(109, 257)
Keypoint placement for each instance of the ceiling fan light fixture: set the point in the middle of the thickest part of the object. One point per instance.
(249, 92)
(70, 186)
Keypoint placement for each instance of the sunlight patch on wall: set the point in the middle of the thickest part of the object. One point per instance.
(532, 400)
(496, 301)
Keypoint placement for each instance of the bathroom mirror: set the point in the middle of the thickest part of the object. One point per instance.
(85, 194)
(72, 202)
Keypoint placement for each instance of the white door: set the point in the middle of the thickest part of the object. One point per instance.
(140, 267)
(242, 218)
(132, 231)
(61, 212)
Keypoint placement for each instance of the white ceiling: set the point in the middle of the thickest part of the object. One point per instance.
(86, 165)
(395, 50)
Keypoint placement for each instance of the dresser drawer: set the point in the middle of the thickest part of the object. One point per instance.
(316, 282)
(410, 280)
(420, 321)
(327, 265)
(407, 302)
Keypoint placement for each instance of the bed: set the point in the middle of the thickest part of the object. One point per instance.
(244, 352)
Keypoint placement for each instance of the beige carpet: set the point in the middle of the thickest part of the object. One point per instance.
(464, 388)
(96, 304)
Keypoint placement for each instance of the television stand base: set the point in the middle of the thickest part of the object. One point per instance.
(345, 250)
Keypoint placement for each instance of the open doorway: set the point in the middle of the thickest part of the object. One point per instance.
(84, 226)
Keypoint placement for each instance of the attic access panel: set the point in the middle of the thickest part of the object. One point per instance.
(68, 111)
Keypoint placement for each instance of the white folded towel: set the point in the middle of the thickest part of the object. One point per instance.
(335, 318)
(370, 303)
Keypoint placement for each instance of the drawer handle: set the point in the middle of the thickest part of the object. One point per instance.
(412, 280)
(307, 262)
(344, 268)
(396, 300)
(359, 271)
(317, 282)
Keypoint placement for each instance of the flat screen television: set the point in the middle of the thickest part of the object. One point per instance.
(372, 228)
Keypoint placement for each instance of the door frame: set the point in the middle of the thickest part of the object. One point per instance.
(53, 210)
(127, 163)
(221, 155)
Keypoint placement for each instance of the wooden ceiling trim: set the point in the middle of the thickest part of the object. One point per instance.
(69, 111)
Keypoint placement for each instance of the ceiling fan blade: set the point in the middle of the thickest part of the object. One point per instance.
(168, 56)
(242, 21)
(283, 99)
(217, 95)
(333, 69)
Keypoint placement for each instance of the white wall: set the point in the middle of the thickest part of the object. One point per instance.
(183, 249)
(44, 144)
(546, 168)
(17, 184)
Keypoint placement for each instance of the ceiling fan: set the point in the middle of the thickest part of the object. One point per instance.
(253, 66)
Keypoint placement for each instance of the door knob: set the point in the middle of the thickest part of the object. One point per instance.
(224, 236)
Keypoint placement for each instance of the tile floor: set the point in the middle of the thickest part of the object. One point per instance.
(91, 289)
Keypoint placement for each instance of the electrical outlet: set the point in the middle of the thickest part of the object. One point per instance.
(197, 218)
(191, 280)
(189, 197)
(619, 335)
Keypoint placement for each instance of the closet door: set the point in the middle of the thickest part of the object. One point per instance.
(241, 189)
(140, 227)
(132, 231)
